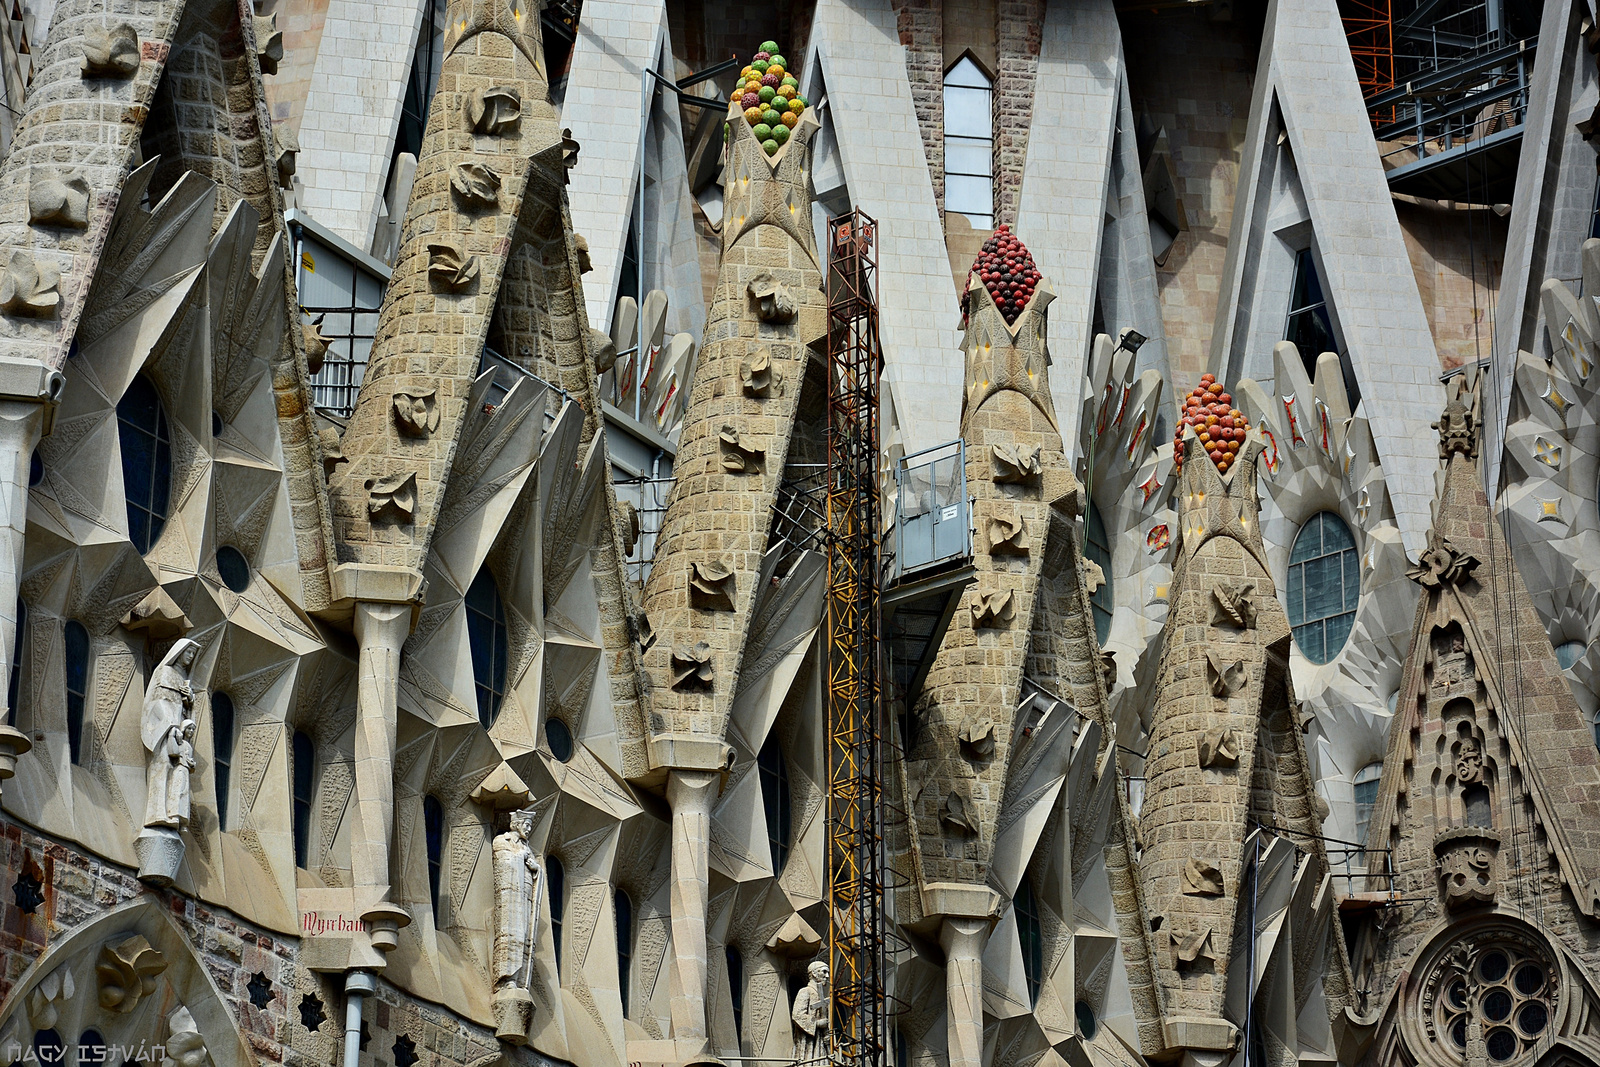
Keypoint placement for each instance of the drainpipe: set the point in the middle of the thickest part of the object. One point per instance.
(358, 985)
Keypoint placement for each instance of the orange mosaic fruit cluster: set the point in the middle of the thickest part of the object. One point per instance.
(1221, 427)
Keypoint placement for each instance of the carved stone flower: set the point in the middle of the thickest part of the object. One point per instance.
(495, 110)
(110, 51)
(393, 497)
(711, 586)
(1015, 464)
(1441, 564)
(775, 303)
(692, 666)
(476, 184)
(450, 266)
(1201, 879)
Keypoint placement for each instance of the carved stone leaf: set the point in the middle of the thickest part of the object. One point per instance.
(958, 813)
(775, 303)
(993, 609)
(126, 973)
(1016, 464)
(110, 51)
(475, 183)
(692, 666)
(1226, 673)
(740, 455)
(450, 266)
(28, 288)
(760, 376)
(393, 497)
(55, 200)
(416, 414)
(1201, 879)
(1234, 604)
(977, 737)
(1219, 747)
(494, 111)
(711, 586)
(1008, 534)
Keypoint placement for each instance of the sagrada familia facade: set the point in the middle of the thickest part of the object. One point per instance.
(413, 592)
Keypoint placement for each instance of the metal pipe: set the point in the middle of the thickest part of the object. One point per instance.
(358, 985)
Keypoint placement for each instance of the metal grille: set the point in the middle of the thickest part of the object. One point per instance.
(856, 862)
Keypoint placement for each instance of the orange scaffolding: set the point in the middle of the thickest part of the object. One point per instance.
(1369, 27)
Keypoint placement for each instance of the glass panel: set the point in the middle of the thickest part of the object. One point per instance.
(969, 196)
(1324, 586)
(968, 155)
(968, 112)
(1307, 286)
(966, 72)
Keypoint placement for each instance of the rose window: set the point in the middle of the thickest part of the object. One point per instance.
(1507, 989)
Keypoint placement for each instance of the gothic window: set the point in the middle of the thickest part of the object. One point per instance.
(433, 829)
(623, 906)
(1309, 326)
(1097, 547)
(1505, 986)
(775, 799)
(221, 751)
(1031, 933)
(556, 885)
(1366, 790)
(233, 568)
(16, 663)
(76, 639)
(146, 461)
(558, 735)
(1324, 585)
(969, 143)
(486, 628)
(736, 989)
(303, 753)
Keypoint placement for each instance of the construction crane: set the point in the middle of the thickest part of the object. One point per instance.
(857, 953)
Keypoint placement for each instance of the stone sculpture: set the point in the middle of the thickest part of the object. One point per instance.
(1201, 879)
(126, 973)
(1219, 747)
(416, 414)
(977, 737)
(1188, 949)
(957, 812)
(1442, 564)
(740, 456)
(168, 734)
(1008, 534)
(450, 266)
(110, 51)
(1093, 576)
(628, 525)
(518, 882)
(476, 184)
(269, 42)
(692, 666)
(811, 1007)
(495, 110)
(29, 288)
(316, 344)
(54, 200)
(711, 586)
(185, 1045)
(1225, 673)
(1466, 858)
(992, 609)
(775, 304)
(44, 1002)
(1234, 604)
(286, 149)
(759, 376)
(1016, 464)
(393, 497)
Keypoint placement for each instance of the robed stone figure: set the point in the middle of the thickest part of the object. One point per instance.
(518, 879)
(167, 730)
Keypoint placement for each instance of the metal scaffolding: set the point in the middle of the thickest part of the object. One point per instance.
(857, 952)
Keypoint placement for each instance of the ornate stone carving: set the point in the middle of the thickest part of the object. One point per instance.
(1233, 603)
(1458, 427)
(957, 812)
(167, 730)
(1440, 564)
(126, 972)
(450, 266)
(332, 451)
(775, 303)
(269, 42)
(185, 1047)
(518, 881)
(1093, 576)
(711, 586)
(1469, 761)
(740, 456)
(495, 110)
(1466, 866)
(993, 609)
(1225, 673)
(977, 737)
(569, 155)
(1219, 747)
(316, 343)
(628, 526)
(580, 248)
(1201, 879)
(604, 349)
(476, 184)
(796, 939)
(1191, 948)
(692, 666)
(393, 497)
(286, 152)
(760, 377)
(1008, 533)
(110, 51)
(811, 1010)
(45, 1000)
(27, 288)
(1108, 669)
(59, 200)
(416, 414)
(1016, 464)
(158, 615)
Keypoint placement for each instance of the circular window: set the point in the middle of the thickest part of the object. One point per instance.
(1502, 982)
(558, 735)
(1324, 585)
(1088, 1025)
(1569, 653)
(234, 568)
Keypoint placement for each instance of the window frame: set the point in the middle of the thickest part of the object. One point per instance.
(77, 699)
(157, 480)
(489, 637)
(622, 915)
(777, 800)
(14, 686)
(978, 80)
(302, 757)
(433, 832)
(555, 873)
(1296, 584)
(1030, 934)
(222, 751)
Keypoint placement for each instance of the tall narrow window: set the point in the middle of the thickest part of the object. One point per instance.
(623, 906)
(433, 827)
(77, 672)
(16, 663)
(1324, 586)
(1366, 790)
(1309, 326)
(1031, 933)
(303, 752)
(486, 628)
(146, 461)
(775, 799)
(556, 885)
(969, 143)
(1476, 800)
(736, 989)
(1097, 547)
(221, 751)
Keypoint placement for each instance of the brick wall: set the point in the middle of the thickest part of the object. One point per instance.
(1020, 24)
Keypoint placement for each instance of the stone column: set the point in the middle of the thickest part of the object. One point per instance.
(28, 392)
(963, 939)
(380, 629)
(690, 792)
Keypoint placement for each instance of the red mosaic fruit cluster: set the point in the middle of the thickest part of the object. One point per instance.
(1007, 270)
(1220, 426)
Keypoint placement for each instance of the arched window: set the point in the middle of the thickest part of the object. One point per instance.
(1324, 586)
(969, 143)
(1476, 800)
(556, 885)
(76, 639)
(558, 735)
(736, 989)
(91, 1048)
(1097, 546)
(1031, 932)
(221, 751)
(486, 628)
(233, 568)
(48, 1047)
(146, 461)
(1366, 790)
(433, 827)
(304, 760)
(623, 906)
(775, 798)
(14, 687)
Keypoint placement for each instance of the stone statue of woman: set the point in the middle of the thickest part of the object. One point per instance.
(166, 730)
(811, 1017)
(517, 884)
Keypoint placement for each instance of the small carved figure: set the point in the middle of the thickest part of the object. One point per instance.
(316, 343)
(992, 609)
(1469, 761)
(692, 666)
(1219, 747)
(1234, 604)
(1458, 428)
(127, 973)
(1093, 576)
(977, 737)
(775, 303)
(711, 586)
(29, 288)
(1008, 534)
(185, 1046)
(1193, 947)
(167, 730)
(416, 414)
(811, 1009)
(393, 497)
(269, 42)
(739, 456)
(518, 881)
(110, 51)
(957, 812)
(495, 110)
(1108, 669)
(604, 349)
(54, 200)
(1016, 464)
(569, 155)
(1201, 879)
(628, 525)
(760, 377)
(450, 266)
(580, 248)
(476, 184)
(286, 153)
(1226, 674)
